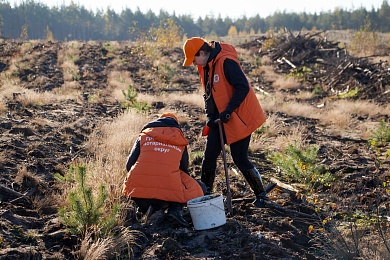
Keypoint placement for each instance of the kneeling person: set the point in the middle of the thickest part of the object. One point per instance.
(158, 169)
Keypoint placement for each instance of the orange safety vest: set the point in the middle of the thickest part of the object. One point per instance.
(249, 115)
(156, 174)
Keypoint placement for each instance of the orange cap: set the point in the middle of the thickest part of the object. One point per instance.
(190, 48)
(169, 115)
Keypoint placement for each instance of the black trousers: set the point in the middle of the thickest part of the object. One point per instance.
(143, 204)
(239, 151)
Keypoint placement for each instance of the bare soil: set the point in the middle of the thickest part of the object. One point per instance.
(29, 224)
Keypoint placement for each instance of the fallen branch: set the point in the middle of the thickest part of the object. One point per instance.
(25, 195)
(284, 185)
(13, 195)
(10, 192)
(273, 205)
(287, 61)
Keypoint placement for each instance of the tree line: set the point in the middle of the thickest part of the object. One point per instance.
(34, 20)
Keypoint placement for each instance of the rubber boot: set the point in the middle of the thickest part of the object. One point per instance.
(254, 180)
(208, 177)
(174, 211)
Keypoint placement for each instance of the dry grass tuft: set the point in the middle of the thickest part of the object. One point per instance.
(282, 82)
(2, 159)
(195, 98)
(40, 203)
(293, 108)
(109, 247)
(270, 103)
(71, 89)
(27, 47)
(360, 108)
(338, 119)
(273, 127)
(8, 88)
(304, 95)
(67, 57)
(339, 114)
(27, 179)
(3, 106)
(278, 102)
(31, 98)
(266, 60)
(111, 145)
(119, 81)
(70, 71)
(268, 73)
(292, 135)
(349, 241)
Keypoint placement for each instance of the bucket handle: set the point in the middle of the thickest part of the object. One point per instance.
(217, 207)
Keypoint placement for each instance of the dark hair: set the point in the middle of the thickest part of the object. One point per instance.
(206, 47)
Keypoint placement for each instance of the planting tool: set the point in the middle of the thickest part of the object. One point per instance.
(228, 192)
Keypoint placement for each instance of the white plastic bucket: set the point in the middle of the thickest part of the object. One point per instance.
(207, 211)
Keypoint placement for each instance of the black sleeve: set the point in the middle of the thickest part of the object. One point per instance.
(236, 77)
(133, 157)
(184, 161)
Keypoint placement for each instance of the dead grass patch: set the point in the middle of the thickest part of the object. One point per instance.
(40, 203)
(349, 241)
(304, 95)
(16, 64)
(7, 90)
(3, 107)
(27, 47)
(40, 122)
(28, 179)
(361, 108)
(268, 73)
(341, 113)
(283, 83)
(295, 134)
(117, 82)
(195, 98)
(67, 57)
(270, 103)
(293, 108)
(110, 247)
(278, 102)
(266, 60)
(270, 129)
(273, 126)
(71, 89)
(70, 71)
(31, 98)
(111, 144)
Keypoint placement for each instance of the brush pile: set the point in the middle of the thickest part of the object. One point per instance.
(324, 64)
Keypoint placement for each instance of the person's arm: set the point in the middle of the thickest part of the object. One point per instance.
(133, 157)
(236, 77)
(184, 161)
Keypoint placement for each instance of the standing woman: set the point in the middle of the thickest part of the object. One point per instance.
(229, 98)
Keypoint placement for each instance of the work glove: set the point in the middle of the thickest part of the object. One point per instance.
(224, 116)
(211, 123)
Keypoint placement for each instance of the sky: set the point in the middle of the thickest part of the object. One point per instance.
(233, 9)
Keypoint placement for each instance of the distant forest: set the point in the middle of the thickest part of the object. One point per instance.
(34, 20)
